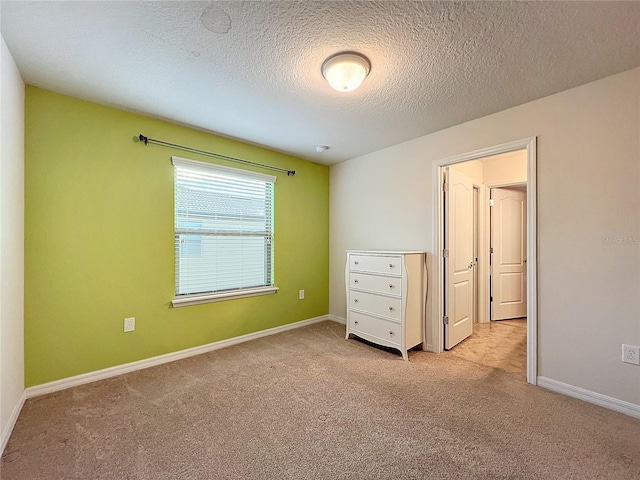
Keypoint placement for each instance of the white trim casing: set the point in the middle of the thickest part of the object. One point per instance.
(8, 429)
(532, 262)
(436, 328)
(218, 297)
(484, 242)
(105, 373)
(628, 408)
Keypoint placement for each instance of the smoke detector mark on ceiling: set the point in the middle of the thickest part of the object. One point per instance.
(215, 19)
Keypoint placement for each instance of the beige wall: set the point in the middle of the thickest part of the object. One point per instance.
(11, 241)
(496, 170)
(474, 169)
(588, 220)
(505, 169)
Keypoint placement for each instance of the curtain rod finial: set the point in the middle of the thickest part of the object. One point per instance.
(291, 173)
(144, 139)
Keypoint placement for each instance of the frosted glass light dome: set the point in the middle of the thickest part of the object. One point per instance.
(346, 71)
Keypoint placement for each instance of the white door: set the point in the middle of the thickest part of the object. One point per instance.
(509, 253)
(458, 262)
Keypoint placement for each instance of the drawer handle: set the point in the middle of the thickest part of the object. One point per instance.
(391, 309)
(356, 263)
(355, 321)
(355, 300)
(391, 265)
(391, 285)
(391, 333)
(356, 281)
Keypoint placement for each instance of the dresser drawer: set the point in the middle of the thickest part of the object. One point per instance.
(379, 329)
(386, 264)
(376, 304)
(376, 283)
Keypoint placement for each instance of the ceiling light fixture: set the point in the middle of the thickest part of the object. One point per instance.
(345, 71)
(321, 148)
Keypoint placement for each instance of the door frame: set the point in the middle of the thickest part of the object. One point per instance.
(435, 326)
(484, 270)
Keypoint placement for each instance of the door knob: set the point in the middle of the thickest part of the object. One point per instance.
(470, 264)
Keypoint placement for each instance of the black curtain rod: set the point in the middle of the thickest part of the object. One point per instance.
(146, 140)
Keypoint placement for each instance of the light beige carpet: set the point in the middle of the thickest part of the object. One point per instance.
(308, 404)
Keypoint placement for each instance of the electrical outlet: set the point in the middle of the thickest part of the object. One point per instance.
(301, 294)
(129, 324)
(631, 354)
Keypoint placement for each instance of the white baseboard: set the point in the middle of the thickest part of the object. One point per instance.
(8, 428)
(90, 377)
(611, 403)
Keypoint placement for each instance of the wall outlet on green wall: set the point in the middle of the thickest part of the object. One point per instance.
(129, 324)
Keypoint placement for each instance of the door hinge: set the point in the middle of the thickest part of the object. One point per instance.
(491, 203)
(491, 299)
(445, 187)
(445, 320)
(445, 253)
(491, 250)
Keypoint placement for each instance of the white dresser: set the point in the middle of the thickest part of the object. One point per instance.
(386, 294)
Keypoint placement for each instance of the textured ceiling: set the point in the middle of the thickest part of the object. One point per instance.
(251, 70)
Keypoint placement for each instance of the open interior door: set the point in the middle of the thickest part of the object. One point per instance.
(458, 261)
(509, 253)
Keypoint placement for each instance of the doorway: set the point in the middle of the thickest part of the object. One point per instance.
(439, 321)
(499, 338)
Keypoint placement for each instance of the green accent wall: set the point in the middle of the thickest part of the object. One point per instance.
(99, 243)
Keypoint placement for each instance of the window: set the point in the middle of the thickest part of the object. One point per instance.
(223, 232)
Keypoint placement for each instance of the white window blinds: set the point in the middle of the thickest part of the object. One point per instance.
(223, 228)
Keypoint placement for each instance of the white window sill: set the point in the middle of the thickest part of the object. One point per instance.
(218, 297)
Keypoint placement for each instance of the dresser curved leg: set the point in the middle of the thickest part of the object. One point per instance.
(405, 355)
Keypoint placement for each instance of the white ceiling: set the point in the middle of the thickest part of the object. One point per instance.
(251, 70)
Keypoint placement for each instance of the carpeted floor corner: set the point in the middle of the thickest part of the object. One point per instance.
(308, 404)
